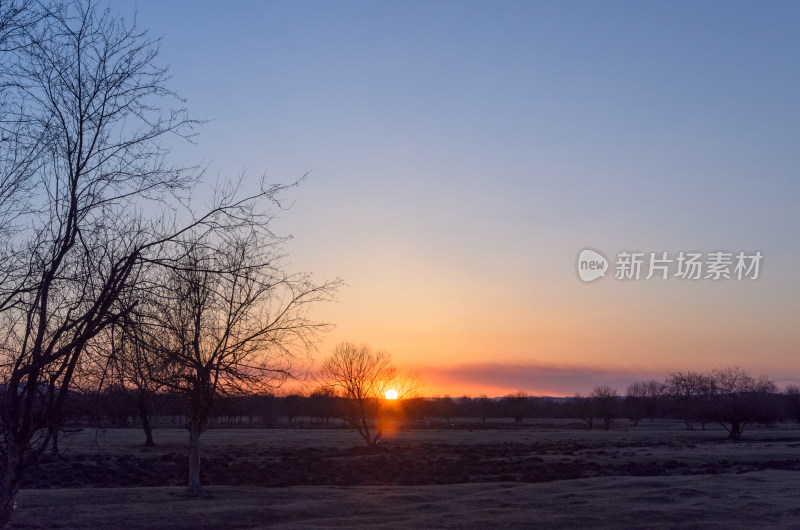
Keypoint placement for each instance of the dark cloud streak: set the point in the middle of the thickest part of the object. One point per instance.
(537, 379)
(498, 379)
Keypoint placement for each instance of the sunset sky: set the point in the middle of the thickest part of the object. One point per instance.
(461, 154)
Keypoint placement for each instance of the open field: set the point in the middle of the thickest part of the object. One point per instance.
(654, 475)
(757, 499)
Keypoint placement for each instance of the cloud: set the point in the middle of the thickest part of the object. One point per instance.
(540, 379)
(497, 379)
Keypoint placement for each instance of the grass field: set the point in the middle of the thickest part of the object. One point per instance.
(656, 475)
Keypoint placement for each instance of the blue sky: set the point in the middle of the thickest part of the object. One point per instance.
(461, 153)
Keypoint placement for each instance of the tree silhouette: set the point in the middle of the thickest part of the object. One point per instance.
(692, 392)
(605, 399)
(80, 96)
(641, 399)
(739, 398)
(84, 109)
(362, 376)
(227, 319)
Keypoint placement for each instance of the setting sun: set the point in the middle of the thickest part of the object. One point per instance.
(391, 394)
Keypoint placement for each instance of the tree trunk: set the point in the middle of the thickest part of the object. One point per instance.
(148, 432)
(376, 438)
(8, 497)
(54, 447)
(607, 422)
(363, 429)
(148, 429)
(194, 458)
(735, 432)
(9, 485)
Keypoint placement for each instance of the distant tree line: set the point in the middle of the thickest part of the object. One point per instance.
(728, 397)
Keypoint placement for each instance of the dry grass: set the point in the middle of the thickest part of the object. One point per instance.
(505, 478)
(758, 499)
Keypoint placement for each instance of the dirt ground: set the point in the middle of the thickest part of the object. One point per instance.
(656, 475)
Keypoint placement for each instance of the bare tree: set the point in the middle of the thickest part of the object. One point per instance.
(362, 376)
(691, 392)
(15, 17)
(484, 407)
(739, 398)
(21, 145)
(728, 396)
(84, 110)
(605, 399)
(641, 399)
(82, 133)
(583, 407)
(130, 365)
(227, 319)
(516, 405)
(793, 401)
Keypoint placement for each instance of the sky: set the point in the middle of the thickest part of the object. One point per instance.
(461, 154)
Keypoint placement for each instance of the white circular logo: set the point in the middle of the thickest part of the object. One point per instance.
(591, 265)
